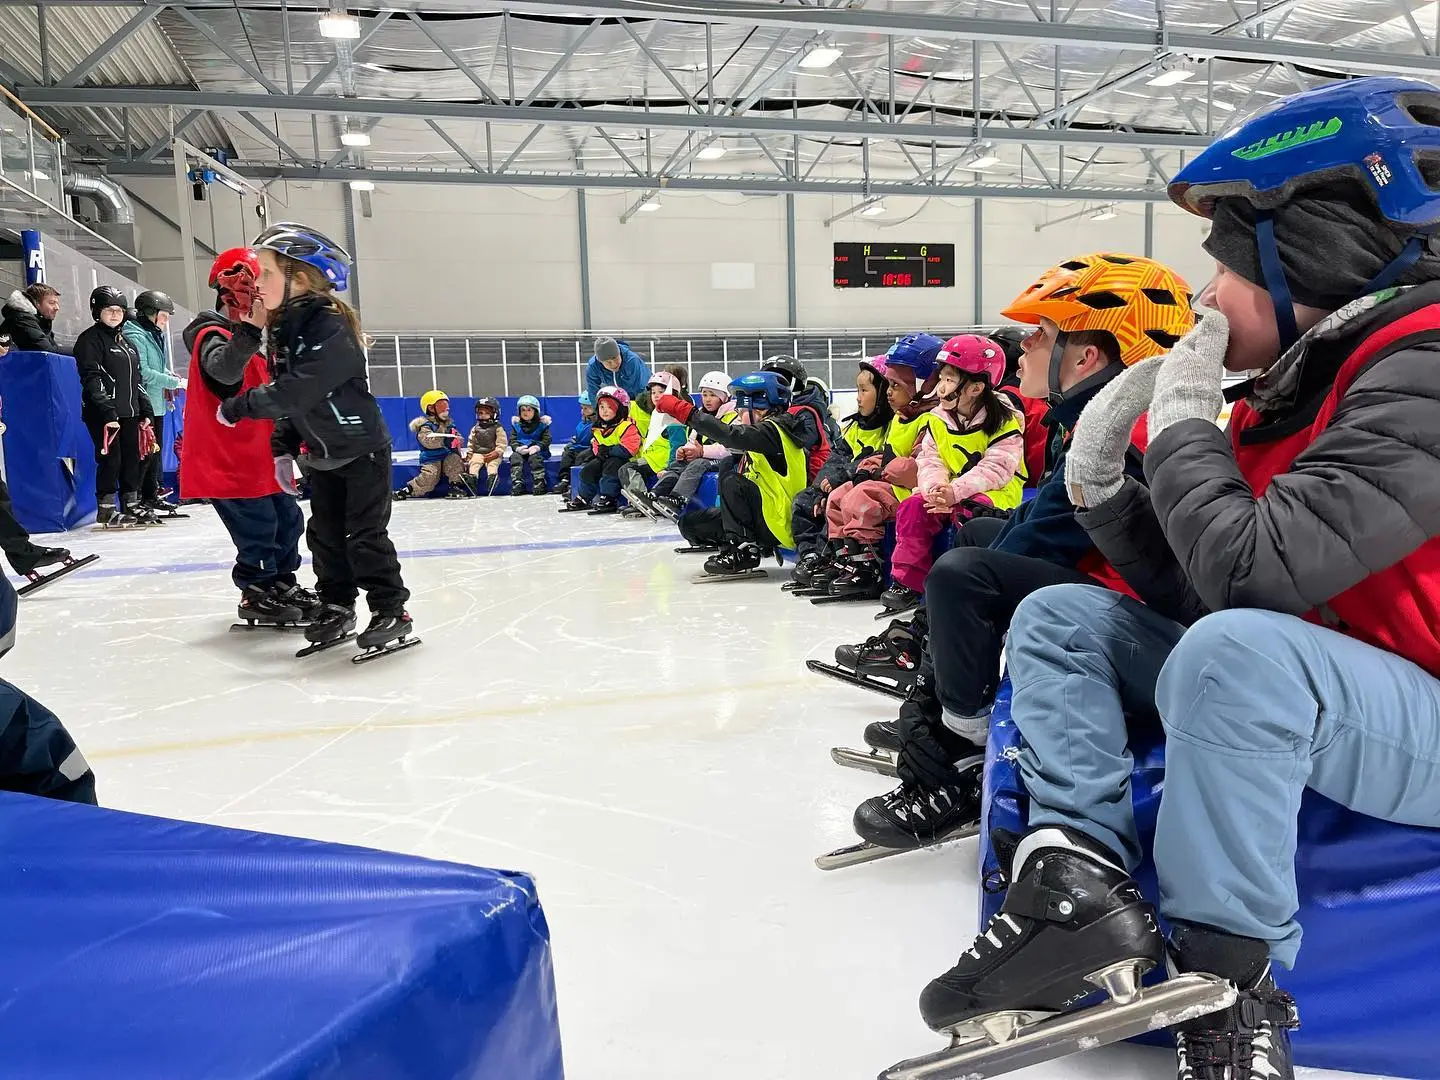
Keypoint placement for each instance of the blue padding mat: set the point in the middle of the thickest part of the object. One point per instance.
(150, 949)
(1366, 979)
(49, 458)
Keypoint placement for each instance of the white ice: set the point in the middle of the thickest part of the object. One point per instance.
(653, 751)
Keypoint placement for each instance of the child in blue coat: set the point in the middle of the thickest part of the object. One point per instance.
(529, 447)
(577, 451)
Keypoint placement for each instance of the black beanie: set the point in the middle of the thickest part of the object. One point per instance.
(1332, 244)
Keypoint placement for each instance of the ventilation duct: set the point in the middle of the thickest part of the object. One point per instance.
(114, 215)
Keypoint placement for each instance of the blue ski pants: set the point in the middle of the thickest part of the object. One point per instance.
(1256, 706)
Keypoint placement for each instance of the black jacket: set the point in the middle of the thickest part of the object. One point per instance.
(223, 356)
(111, 386)
(319, 386)
(761, 438)
(1361, 497)
(28, 329)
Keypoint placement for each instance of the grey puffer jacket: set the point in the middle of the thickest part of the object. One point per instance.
(1362, 496)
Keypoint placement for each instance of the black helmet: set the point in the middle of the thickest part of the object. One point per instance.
(103, 297)
(789, 369)
(151, 302)
(488, 402)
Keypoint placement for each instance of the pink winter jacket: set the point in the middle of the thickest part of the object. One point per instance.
(714, 450)
(992, 471)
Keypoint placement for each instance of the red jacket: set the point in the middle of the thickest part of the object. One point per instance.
(1396, 609)
(221, 462)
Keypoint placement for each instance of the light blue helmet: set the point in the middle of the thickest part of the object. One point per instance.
(585, 398)
(529, 399)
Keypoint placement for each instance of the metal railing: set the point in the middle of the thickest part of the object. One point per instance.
(30, 152)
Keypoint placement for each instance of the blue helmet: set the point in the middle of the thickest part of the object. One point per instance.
(918, 352)
(528, 399)
(1383, 132)
(760, 390)
(309, 246)
(585, 398)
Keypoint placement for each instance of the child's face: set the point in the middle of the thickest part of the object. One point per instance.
(528, 413)
(711, 401)
(442, 409)
(948, 382)
(272, 281)
(866, 396)
(587, 412)
(898, 395)
(485, 414)
(607, 410)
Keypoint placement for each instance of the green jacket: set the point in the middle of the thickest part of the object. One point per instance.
(153, 368)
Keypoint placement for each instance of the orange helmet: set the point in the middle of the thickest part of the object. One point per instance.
(1143, 303)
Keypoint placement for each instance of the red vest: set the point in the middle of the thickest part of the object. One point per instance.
(221, 462)
(1396, 609)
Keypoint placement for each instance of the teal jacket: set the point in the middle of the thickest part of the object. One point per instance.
(150, 344)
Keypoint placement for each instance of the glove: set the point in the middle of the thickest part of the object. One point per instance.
(924, 759)
(220, 413)
(1095, 462)
(182, 384)
(148, 443)
(1188, 385)
(679, 408)
(285, 474)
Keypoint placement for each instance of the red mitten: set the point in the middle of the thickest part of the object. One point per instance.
(679, 408)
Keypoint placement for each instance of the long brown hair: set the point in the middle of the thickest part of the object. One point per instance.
(316, 282)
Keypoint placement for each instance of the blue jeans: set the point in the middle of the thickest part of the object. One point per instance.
(1256, 707)
(266, 533)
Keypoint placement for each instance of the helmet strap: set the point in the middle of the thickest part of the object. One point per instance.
(1275, 283)
(1057, 358)
(1396, 267)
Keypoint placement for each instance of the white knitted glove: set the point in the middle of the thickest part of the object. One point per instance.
(1189, 384)
(1095, 461)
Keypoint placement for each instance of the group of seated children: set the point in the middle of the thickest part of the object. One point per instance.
(447, 455)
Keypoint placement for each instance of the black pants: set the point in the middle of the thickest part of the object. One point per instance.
(809, 529)
(571, 457)
(534, 464)
(351, 550)
(601, 474)
(739, 518)
(152, 468)
(266, 533)
(119, 469)
(14, 540)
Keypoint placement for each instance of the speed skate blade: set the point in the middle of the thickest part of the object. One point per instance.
(865, 851)
(846, 598)
(249, 627)
(864, 682)
(38, 581)
(692, 550)
(875, 761)
(710, 579)
(365, 656)
(321, 646)
(1181, 998)
(894, 613)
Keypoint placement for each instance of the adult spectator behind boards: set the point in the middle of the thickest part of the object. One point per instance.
(29, 316)
(616, 364)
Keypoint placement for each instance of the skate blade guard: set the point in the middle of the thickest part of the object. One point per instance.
(865, 851)
(864, 682)
(1003, 1042)
(874, 761)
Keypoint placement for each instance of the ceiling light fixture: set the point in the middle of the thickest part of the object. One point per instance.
(362, 185)
(1223, 106)
(874, 209)
(818, 59)
(354, 138)
(1103, 213)
(339, 26)
(649, 207)
(713, 152)
(1172, 73)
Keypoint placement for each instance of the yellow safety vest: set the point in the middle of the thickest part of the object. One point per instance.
(777, 492)
(863, 441)
(657, 454)
(901, 437)
(615, 434)
(962, 450)
(727, 418)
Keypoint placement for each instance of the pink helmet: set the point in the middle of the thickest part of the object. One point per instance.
(975, 355)
(615, 394)
(667, 380)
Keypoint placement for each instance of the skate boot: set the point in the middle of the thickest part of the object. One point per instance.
(885, 663)
(162, 507)
(332, 625)
(131, 506)
(817, 580)
(401, 494)
(574, 505)
(899, 598)
(540, 489)
(1251, 1039)
(863, 577)
(261, 609)
(298, 596)
(103, 513)
(914, 816)
(386, 633)
(800, 577)
(604, 504)
(36, 557)
(733, 562)
(562, 486)
(883, 741)
(517, 487)
(458, 491)
(669, 506)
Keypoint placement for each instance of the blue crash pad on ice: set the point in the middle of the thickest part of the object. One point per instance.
(49, 458)
(1367, 1007)
(151, 949)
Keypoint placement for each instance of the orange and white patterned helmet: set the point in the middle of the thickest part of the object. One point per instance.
(1143, 303)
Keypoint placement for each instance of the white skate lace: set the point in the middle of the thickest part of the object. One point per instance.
(991, 937)
(909, 804)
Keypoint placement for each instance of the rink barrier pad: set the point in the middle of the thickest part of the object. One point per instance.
(1366, 980)
(148, 948)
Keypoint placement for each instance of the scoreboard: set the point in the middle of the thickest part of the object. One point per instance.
(894, 266)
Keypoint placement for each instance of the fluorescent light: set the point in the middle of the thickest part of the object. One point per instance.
(1223, 106)
(874, 209)
(339, 25)
(354, 138)
(984, 161)
(1104, 213)
(38, 175)
(823, 57)
(711, 153)
(650, 206)
(362, 185)
(1174, 76)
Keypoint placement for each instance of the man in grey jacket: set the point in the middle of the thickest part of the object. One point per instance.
(1292, 571)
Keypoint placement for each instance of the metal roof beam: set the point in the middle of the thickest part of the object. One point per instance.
(750, 184)
(570, 116)
(105, 51)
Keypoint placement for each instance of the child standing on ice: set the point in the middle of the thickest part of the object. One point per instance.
(322, 399)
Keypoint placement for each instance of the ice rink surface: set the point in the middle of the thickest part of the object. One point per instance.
(653, 751)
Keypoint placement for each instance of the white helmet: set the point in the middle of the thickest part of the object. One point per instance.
(717, 381)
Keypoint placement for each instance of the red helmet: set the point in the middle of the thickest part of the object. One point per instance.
(233, 275)
(975, 355)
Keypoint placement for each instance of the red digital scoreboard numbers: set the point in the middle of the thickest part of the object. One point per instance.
(894, 266)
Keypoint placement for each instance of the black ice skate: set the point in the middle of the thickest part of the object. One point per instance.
(671, 507)
(910, 818)
(733, 562)
(574, 506)
(108, 519)
(162, 507)
(801, 575)
(643, 504)
(1073, 926)
(262, 609)
(883, 738)
(299, 597)
(38, 557)
(1251, 1039)
(816, 581)
(333, 625)
(863, 578)
(884, 663)
(697, 549)
(385, 634)
(898, 599)
(140, 513)
(604, 504)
